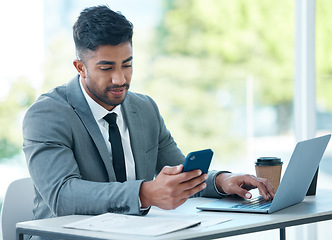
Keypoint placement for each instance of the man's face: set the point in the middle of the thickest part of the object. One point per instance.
(106, 74)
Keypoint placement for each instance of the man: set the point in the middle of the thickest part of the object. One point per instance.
(66, 137)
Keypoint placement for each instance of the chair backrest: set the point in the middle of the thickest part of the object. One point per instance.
(17, 206)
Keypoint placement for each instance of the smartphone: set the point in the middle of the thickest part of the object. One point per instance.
(198, 160)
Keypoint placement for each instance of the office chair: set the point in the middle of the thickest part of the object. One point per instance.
(17, 206)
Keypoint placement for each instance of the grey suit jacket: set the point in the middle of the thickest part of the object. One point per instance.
(68, 159)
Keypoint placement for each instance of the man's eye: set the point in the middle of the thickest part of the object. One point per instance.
(127, 66)
(105, 69)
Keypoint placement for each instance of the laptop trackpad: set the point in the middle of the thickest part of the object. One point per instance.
(224, 203)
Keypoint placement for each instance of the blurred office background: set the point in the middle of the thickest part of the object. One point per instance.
(222, 72)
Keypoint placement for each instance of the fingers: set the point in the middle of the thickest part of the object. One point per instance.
(263, 184)
(172, 187)
(240, 184)
(193, 182)
(191, 191)
(189, 183)
(172, 170)
(265, 188)
(242, 192)
(183, 177)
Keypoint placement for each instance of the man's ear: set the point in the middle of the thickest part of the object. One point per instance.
(80, 67)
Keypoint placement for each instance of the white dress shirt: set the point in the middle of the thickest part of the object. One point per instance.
(99, 113)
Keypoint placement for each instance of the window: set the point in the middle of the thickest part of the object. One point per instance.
(221, 72)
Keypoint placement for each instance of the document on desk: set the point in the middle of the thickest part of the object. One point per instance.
(151, 225)
(127, 224)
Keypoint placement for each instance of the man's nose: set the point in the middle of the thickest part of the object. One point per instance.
(118, 78)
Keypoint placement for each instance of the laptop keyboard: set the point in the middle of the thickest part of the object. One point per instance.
(255, 203)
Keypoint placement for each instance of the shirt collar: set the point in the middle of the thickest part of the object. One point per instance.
(97, 110)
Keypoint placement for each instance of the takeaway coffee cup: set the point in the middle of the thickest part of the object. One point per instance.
(270, 168)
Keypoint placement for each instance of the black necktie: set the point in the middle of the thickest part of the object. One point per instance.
(117, 150)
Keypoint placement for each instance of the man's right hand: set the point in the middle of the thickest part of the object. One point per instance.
(171, 188)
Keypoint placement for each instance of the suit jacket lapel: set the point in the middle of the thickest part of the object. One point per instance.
(76, 99)
(137, 136)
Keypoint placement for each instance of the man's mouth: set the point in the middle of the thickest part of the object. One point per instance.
(117, 91)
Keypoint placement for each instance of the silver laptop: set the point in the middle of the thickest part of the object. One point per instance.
(293, 186)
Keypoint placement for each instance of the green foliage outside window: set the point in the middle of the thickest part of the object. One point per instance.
(19, 98)
(206, 51)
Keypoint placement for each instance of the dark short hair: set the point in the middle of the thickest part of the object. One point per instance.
(98, 26)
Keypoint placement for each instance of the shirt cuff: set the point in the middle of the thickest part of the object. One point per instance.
(143, 211)
(214, 183)
(140, 206)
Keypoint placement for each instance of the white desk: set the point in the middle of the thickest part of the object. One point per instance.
(312, 209)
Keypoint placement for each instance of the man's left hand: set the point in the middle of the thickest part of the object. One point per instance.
(240, 184)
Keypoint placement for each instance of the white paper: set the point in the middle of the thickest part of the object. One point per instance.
(127, 224)
(157, 222)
